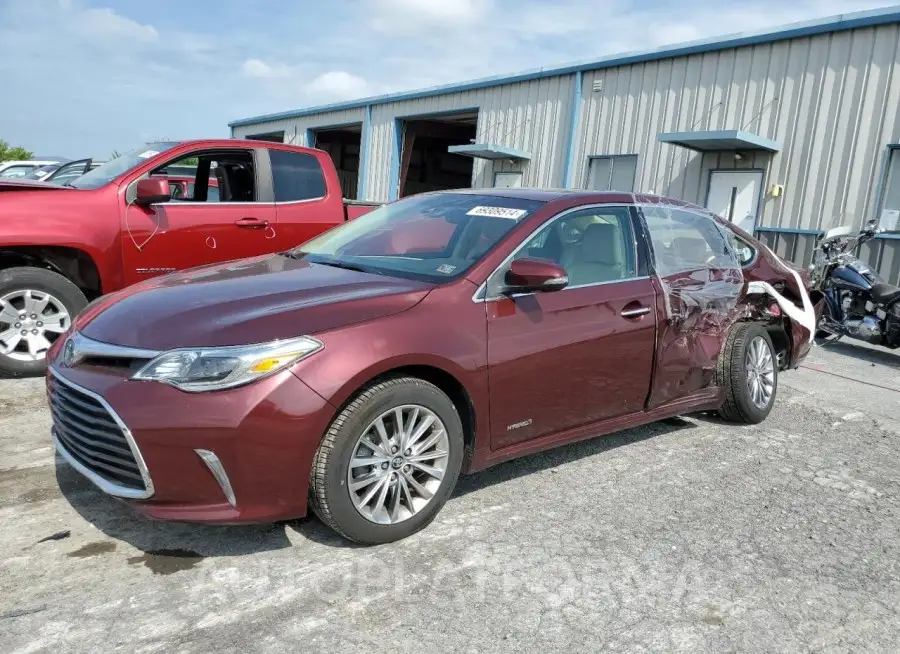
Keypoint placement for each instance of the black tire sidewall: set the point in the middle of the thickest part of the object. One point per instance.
(752, 413)
(344, 513)
(46, 281)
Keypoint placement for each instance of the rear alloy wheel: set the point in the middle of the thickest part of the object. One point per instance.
(388, 462)
(748, 373)
(36, 307)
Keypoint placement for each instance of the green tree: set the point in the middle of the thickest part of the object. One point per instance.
(8, 153)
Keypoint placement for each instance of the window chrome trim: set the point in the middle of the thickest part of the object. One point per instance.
(218, 471)
(103, 484)
(482, 288)
(205, 203)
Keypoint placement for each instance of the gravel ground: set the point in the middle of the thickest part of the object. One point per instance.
(691, 535)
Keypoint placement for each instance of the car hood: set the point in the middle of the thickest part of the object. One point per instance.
(30, 185)
(247, 301)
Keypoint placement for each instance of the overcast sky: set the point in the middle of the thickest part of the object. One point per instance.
(84, 77)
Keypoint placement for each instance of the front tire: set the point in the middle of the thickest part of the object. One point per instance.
(36, 307)
(748, 373)
(389, 462)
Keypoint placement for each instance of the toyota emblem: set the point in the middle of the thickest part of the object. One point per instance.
(69, 353)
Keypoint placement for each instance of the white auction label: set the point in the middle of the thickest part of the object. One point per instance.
(497, 212)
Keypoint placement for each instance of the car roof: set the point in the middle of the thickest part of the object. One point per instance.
(576, 196)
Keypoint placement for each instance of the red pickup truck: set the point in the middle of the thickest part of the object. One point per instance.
(139, 216)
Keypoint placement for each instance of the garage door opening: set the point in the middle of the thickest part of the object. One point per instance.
(275, 137)
(343, 144)
(425, 164)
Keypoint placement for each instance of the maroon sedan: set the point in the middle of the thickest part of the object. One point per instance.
(361, 372)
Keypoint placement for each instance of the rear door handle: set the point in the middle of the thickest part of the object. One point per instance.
(251, 223)
(635, 312)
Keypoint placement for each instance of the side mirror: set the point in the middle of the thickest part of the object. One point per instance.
(526, 275)
(152, 191)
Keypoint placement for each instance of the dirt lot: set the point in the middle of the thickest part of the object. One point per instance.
(684, 536)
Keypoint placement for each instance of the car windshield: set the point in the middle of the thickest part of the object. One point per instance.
(102, 175)
(430, 237)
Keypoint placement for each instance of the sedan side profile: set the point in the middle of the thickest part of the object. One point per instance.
(360, 373)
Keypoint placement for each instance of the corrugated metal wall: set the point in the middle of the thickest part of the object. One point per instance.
(831, 101)
(532, 116)
(295, 128)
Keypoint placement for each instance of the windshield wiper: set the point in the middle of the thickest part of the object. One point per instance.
(345, 266)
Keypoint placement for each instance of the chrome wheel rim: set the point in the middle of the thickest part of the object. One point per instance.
(30, 321)
(398, 464)
(760, 372)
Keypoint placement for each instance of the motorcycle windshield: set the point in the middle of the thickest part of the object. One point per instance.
(839, 225)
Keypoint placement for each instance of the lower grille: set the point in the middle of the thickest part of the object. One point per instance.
(95, 442)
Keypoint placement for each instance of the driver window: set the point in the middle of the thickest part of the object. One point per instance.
(593, 245)
(212, 177)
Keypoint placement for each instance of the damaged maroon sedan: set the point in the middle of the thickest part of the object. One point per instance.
(360, 373)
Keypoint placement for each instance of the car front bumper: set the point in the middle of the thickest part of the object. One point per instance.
(234, 456)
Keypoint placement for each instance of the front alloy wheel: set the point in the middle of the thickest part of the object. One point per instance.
(398, 464)
(388, 462)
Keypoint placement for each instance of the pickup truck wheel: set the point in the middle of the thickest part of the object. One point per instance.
(748, 372)
(388, 463)
(36, 307)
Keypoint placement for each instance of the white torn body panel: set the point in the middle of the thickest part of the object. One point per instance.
(805, 317)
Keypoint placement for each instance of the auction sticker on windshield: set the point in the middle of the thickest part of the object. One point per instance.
(148, 153)
(497, 212)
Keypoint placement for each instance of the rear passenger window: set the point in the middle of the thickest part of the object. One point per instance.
(296, 176)
(684, 240)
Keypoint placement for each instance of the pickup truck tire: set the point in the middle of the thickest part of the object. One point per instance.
(386, 492)
(748, 372)
(26, 296)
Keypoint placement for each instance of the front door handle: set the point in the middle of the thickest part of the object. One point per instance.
(252, 223)
(635, 312)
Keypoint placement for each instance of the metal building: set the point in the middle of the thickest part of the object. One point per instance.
(782, 131)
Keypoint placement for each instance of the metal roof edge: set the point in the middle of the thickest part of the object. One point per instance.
(838, 23)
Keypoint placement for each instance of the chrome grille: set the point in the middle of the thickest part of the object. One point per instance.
(94, 441)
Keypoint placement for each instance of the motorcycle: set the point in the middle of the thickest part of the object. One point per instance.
(858, 302)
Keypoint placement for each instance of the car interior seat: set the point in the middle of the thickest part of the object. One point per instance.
(596, 258)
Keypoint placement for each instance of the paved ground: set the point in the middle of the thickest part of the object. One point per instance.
(696, 536)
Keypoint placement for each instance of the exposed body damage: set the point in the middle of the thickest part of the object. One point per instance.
(702, 305)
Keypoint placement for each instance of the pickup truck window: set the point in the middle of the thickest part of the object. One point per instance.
(296, 176)
(231, 176)
(104, 174)
(426, 237)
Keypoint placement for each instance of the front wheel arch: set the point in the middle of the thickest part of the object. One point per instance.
(447, 382)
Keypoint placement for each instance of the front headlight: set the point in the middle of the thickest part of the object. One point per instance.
(213, 369)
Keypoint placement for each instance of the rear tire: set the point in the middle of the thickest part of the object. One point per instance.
(404, 497)
(748, 372)
(36, 306)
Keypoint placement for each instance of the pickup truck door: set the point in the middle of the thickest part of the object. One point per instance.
(231, 218)
(581, 355)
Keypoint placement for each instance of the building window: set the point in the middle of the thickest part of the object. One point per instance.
(508, 180)
(612, 173)
(889, 213)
